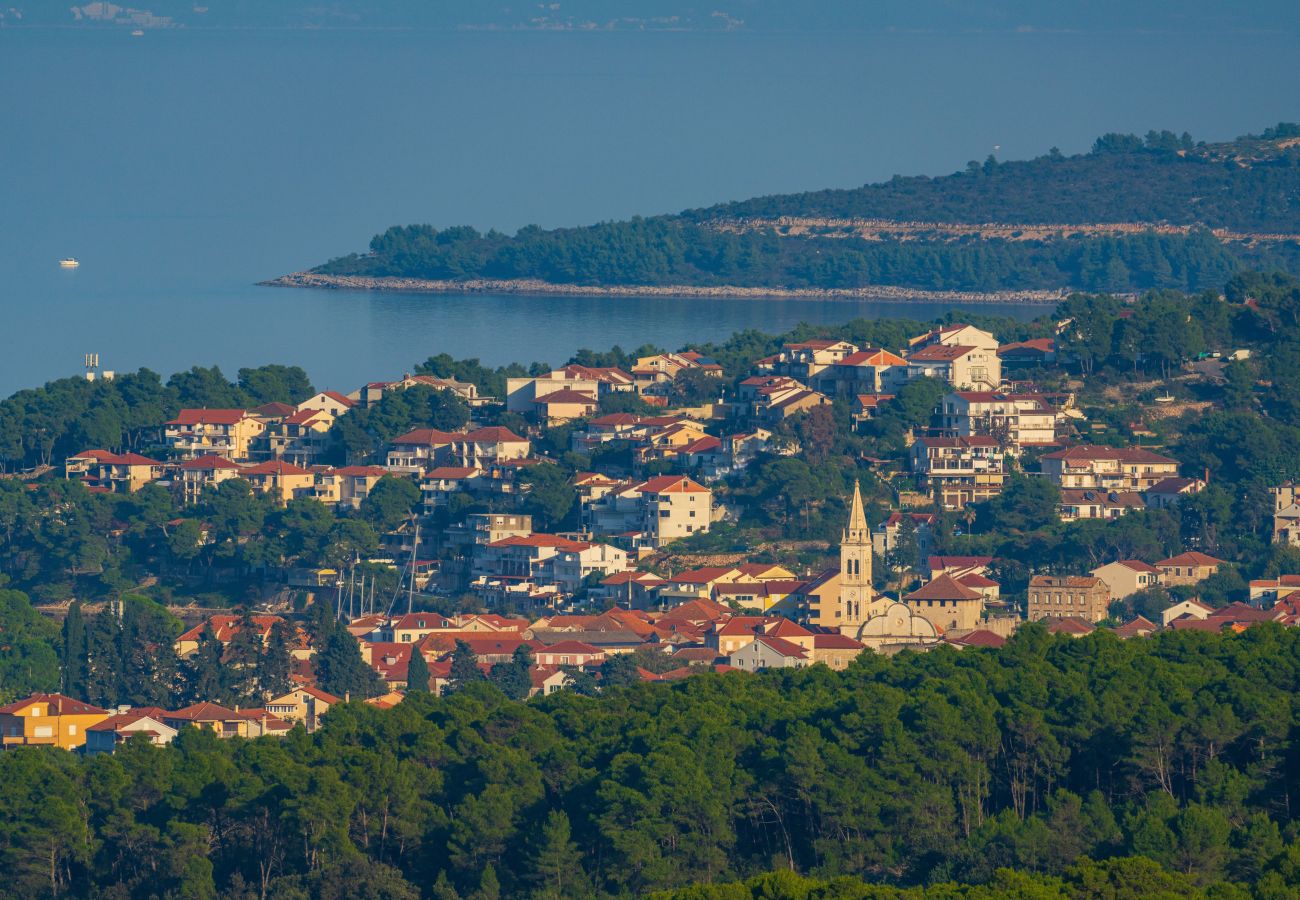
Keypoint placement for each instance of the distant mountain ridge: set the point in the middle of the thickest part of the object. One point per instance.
(1135, 213)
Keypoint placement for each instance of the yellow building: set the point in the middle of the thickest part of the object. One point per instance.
(302, 704)
(283, 481)
(228, 433)
(50, 720)
(843, 598)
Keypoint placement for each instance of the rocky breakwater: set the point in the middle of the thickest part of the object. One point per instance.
(536, 286)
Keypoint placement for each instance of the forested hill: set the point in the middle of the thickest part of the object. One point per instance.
(1248, 185)
(1135, 213)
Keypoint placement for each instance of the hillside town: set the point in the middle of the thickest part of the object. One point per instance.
(617, 594)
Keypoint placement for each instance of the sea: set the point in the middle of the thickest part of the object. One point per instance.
(183, 166)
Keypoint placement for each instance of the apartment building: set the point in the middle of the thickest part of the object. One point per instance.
(1107, 468)
(1059, 596)
(1015, 420)
(228, 433)
(959, 470)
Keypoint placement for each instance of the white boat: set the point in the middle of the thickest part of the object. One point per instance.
(68, 263)
(137, 33)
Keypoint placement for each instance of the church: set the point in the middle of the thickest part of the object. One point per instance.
(844, 600)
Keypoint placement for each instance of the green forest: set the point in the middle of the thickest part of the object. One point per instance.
(1167, 765)
(1250, 185)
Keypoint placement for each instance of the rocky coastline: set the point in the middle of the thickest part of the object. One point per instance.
(537, 286)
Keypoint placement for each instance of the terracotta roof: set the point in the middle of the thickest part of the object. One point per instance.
(207, 463)
(273, 410)
(276, 467)
(939, 353)
(980, 637)
(672, 484)
(540, 540)
(969, 440)
(872, 358)
(943, 587)
(614, 419)
(340, 399)
(1071, 625)
(1070, 581)
(362, 471)
(975, 580)
(1135, 627)
(61, 705)
(703, 575)
(566, 395)
(1190, 558)
(782, 646)
(452, 473)
(225, 627)
(209, 417)
(936, 563)
(1088, 452)
(573, 647)
(1138, 565)
(427, 437)
(1034, 345)
(836, 642)
(204, 712)
(1112, 499)
(493, 435)
(121, 720)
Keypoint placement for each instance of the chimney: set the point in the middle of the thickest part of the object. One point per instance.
(347, 696)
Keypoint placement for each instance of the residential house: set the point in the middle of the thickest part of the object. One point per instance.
(118, 473)
(282, 480)
(569, 653)
(946, 603)
(304, 705)
(965, 368)
(1076, 504)
(806, 359)
(572, 566)
(299, 438)
(51, 720)
(959, 470)
(331, 402)
(652, 513)
(1169, 492)
(1268, 591)
(1192, 567)
(194, 476)
(228, 433)
(1036, 353)
(767, 652)
(564, 405)
(440, 483)
(866, 406)
(654, 375)
(775, 404)
(228, 723)
(1286, 514)
(107, 735)
(884, 539)
(347, 486)
(1127, 576)
(955, 335)
(373, 392)
(483, 448)
(1138, 627)
(1107, 468)
(957, 566)
(225, 627)
(1068, 596)
(835, 651)
(1191, 607)
(421, 449)
(1016, 420)
(870, 371)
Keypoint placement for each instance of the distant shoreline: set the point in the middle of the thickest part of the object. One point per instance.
(536, 286)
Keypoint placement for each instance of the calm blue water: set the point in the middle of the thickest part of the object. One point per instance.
(182, 167)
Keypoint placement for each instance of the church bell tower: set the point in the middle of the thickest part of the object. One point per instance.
(855, 565)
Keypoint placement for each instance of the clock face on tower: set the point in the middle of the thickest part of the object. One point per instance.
(850, 595)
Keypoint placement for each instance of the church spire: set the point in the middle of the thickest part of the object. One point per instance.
(857, 518)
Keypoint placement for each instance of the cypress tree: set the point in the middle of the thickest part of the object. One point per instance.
(75, 652)
(464, 667)
(513, 677)
(275, 663)
(341, 670)
(417, 672)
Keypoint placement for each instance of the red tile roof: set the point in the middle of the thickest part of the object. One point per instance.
(943, 587)
(939, 353)
(672, 484)
(361, 471)
(209, 417)
(980, 637)
(493, 435)
(276, 467)
(572, 647)
(1087, 453)
(451, 473)
(566, 395)
(207, 463)
(60, 704)
(1190, 558)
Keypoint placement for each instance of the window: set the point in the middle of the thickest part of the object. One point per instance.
(43, 731)
(72, 729)
(36, 711)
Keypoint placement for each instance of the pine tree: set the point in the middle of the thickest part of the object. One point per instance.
(242, 658)
(489, 887)
(104, 666)
(556, 865)
(513, 677)
(417, 672)
(341, 670)
(464, 668)
(203, 676)
(75, 653)
(275, 663)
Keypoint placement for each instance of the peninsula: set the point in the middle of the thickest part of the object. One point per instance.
(1133, 214)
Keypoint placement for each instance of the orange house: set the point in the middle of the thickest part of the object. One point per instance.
(50, 720)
